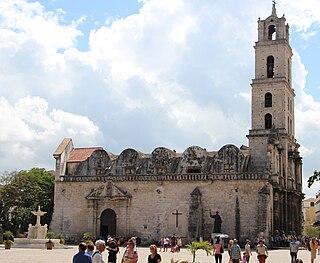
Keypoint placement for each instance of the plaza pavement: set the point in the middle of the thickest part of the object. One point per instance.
(21, 255)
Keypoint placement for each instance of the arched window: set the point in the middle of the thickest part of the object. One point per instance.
(272, 32)
(270, 67)
(268, 100)
(268, 121)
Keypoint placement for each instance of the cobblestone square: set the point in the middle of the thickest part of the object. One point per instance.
(20, 255)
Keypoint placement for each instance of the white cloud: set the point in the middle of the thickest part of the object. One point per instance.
(301, 14)
(307, 115)
(176, 74)
(44, 27)
(12, 128)
(28, 128)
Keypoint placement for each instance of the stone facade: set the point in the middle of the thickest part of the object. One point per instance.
(256, 189)
(309, 211)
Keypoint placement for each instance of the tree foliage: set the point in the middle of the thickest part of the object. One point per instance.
(312, 231)
(313, 178)
(194, 246)
(22, 192)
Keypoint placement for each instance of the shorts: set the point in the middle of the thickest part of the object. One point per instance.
(313, 255)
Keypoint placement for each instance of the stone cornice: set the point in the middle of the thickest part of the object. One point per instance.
(168, 177)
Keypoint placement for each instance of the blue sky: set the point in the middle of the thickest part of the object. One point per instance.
(309, 50)
(95, 13)
(143, 74)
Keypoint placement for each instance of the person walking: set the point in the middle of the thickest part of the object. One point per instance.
(173, 242)
(154, 257)
(165, 244)
(313, 248)
(235, 251)
(82, 256)
(161, 244)
(217, 251)
(247, 250)
(229, 249)
(90, 249)
(130, 255)
(113, 250)
(179, 243)
(97, 255)
(262, 252)
(294, 248)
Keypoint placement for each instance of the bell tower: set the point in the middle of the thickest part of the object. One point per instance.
(272, 143)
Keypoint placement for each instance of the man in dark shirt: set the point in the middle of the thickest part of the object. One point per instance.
(82, 256)
(113, 249)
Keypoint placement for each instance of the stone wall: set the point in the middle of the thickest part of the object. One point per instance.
(147, 209)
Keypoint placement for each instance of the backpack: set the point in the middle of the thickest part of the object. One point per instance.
(96, 252)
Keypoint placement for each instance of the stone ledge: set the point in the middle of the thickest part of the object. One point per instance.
(36, 243)
(169, 177)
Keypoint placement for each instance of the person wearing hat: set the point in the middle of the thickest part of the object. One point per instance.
(247, 249)
(235, 251)
(130, 255)
(113, 249)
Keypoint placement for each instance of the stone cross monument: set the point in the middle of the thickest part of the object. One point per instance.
(37, 231)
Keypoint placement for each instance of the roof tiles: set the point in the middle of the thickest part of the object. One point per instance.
(81, 154)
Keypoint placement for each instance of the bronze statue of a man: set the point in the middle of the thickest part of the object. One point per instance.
(217, 222)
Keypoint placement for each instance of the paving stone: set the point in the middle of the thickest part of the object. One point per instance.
(20, 255)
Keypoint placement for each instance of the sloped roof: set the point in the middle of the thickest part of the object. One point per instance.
(62, 146)
(311, 199)
(81, 154)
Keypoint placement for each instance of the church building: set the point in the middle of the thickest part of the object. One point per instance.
(257, 189)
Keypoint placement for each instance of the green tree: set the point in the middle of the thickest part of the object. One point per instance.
(22, 192)
(194, 246)
(312, 231)
(313, 178)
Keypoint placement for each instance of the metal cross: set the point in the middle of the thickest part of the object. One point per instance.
(177, 215)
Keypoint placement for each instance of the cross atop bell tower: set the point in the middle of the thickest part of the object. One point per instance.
(273, 148)
(274, 8)
(272, 92)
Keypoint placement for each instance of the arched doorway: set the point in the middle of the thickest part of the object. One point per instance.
(108, 223)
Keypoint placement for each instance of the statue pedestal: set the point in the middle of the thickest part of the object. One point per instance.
(37, 231)
(222, 237)
(36, 243)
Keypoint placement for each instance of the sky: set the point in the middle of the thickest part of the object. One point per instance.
(142, 74)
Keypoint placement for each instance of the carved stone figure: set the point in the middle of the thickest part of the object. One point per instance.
(217, 222)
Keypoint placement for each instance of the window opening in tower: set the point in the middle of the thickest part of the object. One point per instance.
(272, 32)
(270, 67)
